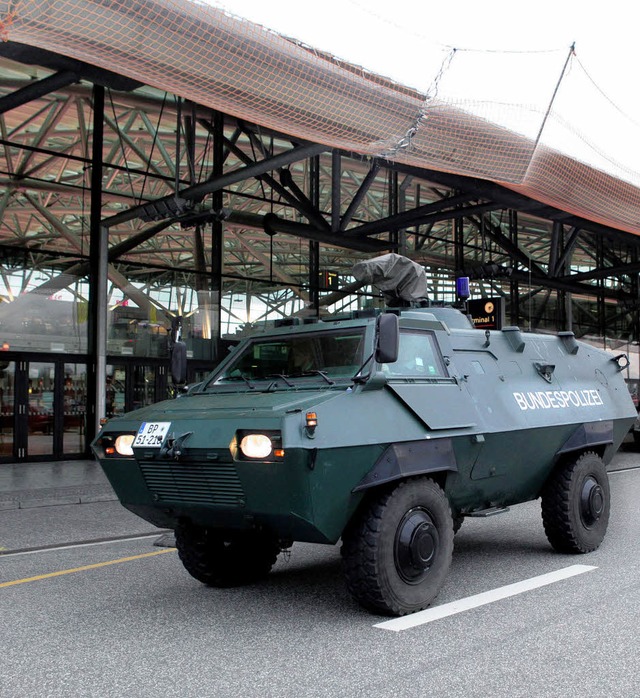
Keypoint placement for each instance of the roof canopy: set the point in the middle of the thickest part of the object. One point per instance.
(232, 65)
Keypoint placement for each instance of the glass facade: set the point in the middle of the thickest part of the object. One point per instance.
(74, 413)
(208, 270)
(7, 407)
(34, 320)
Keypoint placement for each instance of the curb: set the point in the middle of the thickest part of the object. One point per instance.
(32, 502)
(10, 504)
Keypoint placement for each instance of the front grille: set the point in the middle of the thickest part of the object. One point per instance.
(193, 483)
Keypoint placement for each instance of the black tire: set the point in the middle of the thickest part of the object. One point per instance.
(636, 437)
(397, 550)
(576, 505)
(220, 559)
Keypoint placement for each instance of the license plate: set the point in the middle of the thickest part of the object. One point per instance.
(151, 434)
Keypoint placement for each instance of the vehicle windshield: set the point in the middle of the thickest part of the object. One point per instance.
(329, 356)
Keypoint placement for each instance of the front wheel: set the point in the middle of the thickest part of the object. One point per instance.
(397, 550)
(220, 559)
(576, 504)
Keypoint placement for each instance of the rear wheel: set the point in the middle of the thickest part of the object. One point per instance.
(397, 550)
(576, 504)
(221, 559)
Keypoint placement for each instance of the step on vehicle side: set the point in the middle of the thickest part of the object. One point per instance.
(383, 430)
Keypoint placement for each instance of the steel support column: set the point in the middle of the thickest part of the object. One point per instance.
(314, 247)
(98, 267)
(402, 206)
(555, 249)
(458, 242)
(601, 307)
(217, 243)
(563, 265)
(514, 286)
(336, 198)
(635, 311)
(394, 234)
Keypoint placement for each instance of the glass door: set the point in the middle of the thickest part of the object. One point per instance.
(42, 409)
(74, 412)
(116, 390)
(7, 408)
(41, 376)
(143, 380)
(133, 385)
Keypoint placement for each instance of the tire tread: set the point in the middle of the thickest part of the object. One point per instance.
(360, 552)
(206, 557)
(561, 530)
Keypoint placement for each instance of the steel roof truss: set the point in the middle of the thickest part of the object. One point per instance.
(162, 208)
(36, 90)
(359, 195)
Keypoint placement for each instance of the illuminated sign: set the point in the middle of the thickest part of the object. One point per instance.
(328, 280)
(487, 313)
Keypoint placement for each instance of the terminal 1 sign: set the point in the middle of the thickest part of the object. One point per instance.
(487, 313)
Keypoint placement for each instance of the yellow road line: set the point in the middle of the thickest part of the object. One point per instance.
(86, 567)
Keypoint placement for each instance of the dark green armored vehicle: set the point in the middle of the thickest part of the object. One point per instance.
(383, 430)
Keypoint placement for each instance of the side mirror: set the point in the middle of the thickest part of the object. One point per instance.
(179, 363)
(388, 338)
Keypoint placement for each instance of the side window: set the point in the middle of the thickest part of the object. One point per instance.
(418, 357)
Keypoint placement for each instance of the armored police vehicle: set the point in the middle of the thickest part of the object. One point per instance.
(381, 429)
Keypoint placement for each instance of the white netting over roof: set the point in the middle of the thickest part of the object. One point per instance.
(481, 117)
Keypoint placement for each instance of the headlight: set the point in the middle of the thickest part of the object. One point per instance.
(251, 445)
(114, 446)
(123, 444)
(256, 446)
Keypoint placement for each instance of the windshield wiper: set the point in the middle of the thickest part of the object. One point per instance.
(284, 378)
(314, 373)
(240, 377)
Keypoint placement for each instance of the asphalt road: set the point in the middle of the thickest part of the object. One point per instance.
(123, 618)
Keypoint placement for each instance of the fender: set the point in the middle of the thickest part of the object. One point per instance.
(587, 436)
(408, 458)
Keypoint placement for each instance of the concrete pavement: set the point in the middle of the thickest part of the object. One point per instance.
(28, 485)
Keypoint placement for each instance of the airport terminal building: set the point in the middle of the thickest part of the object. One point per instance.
(172, 171)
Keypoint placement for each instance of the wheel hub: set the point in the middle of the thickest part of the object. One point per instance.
(416, 545)
(592, 501)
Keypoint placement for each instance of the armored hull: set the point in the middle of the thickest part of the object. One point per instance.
(451, 422)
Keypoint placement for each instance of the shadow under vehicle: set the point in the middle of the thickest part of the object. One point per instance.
(383, 429)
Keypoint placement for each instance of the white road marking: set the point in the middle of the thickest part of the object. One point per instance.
(450, 609)
(88, 544)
